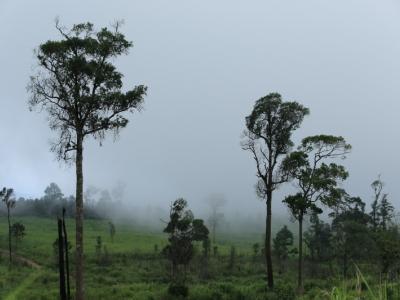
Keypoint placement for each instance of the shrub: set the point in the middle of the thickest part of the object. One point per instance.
(178, 290)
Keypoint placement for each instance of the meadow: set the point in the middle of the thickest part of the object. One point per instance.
(132, 267)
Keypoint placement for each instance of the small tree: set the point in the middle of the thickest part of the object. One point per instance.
(282, 241)
(18, 233)
(382, 211)
(111, 228)
(183, 230)
(268, 137)
(385, 212)
(81, 90)
(98, 248)
(215, 202)
(206, 245)
(316, 181)
(6, 195)
(352, 239)
(377, 186)
(318, 239)
(256, 251)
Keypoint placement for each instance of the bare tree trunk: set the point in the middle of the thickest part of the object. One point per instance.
(9, 233)
(61, 266)
(79, 295)
(268, 234)
(66, 255)
(300, 270)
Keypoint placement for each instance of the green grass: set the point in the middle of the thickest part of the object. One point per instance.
(135, 271)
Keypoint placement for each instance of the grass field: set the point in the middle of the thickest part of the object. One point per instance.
(135, 270)
(132, 269)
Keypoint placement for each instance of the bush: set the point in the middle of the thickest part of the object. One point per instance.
(282, 291)
(178, 290)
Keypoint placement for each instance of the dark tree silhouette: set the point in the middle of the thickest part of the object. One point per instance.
(377, 186)
(18, 232)
(81, 90)
(111, 228)
(6, 195)
(61, 265)
(385, 212)
(66, 243)
(268, 138)
(183, 229)
(282, 241)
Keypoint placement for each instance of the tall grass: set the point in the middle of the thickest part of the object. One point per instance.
(362, 290)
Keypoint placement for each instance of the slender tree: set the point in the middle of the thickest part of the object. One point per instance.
(111, 228)
(61, 265)
(215, 202)
(316, 181)
(6, 195)
(81, 90)
(377, 187)
(268, 137)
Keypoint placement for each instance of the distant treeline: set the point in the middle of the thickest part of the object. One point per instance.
(53, 202)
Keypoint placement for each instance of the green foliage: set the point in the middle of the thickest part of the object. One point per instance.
(183, 230)
(6, 196)
(318, 239)
(17, 232)
(79, 86)
(282, 241)
(178, 290)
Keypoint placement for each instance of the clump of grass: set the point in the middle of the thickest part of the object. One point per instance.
(363, 290)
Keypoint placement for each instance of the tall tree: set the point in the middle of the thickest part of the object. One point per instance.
(268, 137)
(7, 196)
(317, 182)
(81, 90)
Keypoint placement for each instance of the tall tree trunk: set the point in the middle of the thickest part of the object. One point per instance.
(79, 295)
(61, 266)
(9, 233)
(300, 270)
(66, 255)
(268, 234)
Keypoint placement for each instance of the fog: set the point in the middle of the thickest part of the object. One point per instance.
(205, 64)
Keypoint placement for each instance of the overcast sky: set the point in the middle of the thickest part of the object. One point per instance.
(205, 64)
